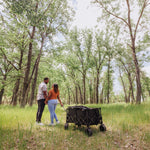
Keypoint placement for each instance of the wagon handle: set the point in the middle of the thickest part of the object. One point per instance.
(64, 108)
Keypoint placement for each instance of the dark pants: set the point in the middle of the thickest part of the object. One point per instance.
(41, 106)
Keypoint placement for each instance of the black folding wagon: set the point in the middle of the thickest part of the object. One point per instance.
(81, 115)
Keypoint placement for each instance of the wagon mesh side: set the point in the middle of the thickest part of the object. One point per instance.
(81, 115)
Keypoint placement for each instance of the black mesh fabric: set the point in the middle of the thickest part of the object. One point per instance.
(81, 115)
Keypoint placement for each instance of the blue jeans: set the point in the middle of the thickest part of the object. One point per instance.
(52, 106)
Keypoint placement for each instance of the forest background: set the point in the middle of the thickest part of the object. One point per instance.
(38, 39)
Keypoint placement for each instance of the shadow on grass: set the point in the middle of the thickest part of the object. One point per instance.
(74, 128)
(95, 129)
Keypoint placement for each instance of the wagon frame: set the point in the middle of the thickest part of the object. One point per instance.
(82, 115)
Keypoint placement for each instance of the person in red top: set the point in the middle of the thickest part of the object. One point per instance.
(51, 100)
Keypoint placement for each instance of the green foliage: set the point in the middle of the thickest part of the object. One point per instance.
(70, 57)
(48, 18)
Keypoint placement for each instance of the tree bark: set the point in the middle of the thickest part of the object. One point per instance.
(3, 83)
(90, 90)
(81, 98)
(69, 98)
(108, 80)
(84, 89)
(131, 87)
(101, 96)
(138, 81)
(1, 95)
(76, 94)
(129, 95)
(17, 84)
(124, 88)
(15, 92)
(33, 86)
(36, 74)
(97, 85)
(94, 90)
(27, 72)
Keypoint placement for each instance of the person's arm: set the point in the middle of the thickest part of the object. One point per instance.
(44, 90)
(45, 94)
(48, 97)
(59, 100)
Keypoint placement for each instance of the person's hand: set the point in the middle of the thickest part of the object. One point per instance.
(45, 102)
(61, 104)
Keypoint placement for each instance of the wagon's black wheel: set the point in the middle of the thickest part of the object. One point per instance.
(66, 126)
(102, 127)
(79, 125)
(88, 131)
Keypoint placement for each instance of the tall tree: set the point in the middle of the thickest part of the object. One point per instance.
(98, 56)
(5, 69)
(46, 18)
(112, 9)
(82, 45)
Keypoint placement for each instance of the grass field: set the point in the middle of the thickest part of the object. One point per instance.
(128, 127)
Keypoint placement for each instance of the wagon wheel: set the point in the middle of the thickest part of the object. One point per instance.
(102, 127)
(66, 126)
(79, 125)
(88, 131)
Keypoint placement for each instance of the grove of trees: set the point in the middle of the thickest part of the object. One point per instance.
(37, 41)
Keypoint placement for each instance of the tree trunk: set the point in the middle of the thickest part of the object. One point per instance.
(131, 87)
(81, 98)
(3, 88)
(108, 80)
(1, 95)
(138, 81)
(101, 96)
(84, 89)
(69, 98)
(142, 93)
(124, 88)
(97, 85)
(17, 84)
(90, 89)
(129, 95)
(94, 90)
(36, 73)
(15, 92)
(33, 87)
(76, 94)
(27, 72)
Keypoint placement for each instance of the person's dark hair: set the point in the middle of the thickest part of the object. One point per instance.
(46, 78)
(55, 88)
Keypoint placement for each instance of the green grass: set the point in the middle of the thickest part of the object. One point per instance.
(128, 127)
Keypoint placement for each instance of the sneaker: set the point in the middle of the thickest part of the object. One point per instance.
(51, 124)
(39, 123)
(57, 122)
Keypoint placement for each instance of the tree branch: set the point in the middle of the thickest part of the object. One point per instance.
(1, 71)
(111, 12)
(129, 21)
(8, 59)
(144, 5)
(45, 11)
